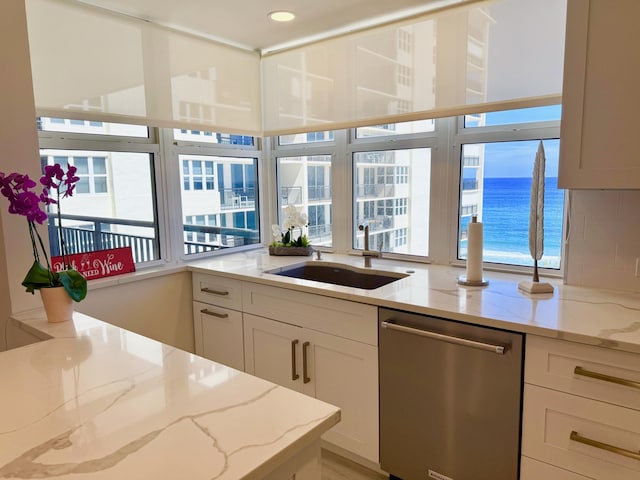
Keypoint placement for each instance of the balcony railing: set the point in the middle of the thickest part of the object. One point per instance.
(376, 190)
(238, 198)
(89, 234)
(291, 195)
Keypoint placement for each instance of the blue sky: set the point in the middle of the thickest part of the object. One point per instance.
(515, 159)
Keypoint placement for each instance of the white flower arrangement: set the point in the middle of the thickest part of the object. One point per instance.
(295, 219)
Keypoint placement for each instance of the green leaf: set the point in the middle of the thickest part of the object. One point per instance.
(74, 283)
(39, 277)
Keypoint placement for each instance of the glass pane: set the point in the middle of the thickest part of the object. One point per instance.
(47, 124)
(496, 185)
(82, 164)
(306, 182)
(509, 117)
(99, 165)
(404, 128)
(309, 137)
(212, 137)
(105, 219)
(219, 210)
(392, 196)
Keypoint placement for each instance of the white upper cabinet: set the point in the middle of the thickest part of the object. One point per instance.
(599, 147)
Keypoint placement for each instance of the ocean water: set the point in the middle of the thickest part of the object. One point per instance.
(505, 215)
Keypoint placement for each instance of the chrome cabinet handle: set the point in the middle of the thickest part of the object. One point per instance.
(214, 314)
(305, 377)
(222, 293)
(294, 369)
(576, 437)
(606, 378)
(498, 349)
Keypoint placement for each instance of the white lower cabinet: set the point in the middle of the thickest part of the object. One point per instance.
(337, 370)
(218, 334)
(531, 469)
(581, 412)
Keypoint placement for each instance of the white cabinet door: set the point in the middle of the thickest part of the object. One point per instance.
(218, 334)
(600, 98)
(344, 373)
(273, 351)
(337, 370)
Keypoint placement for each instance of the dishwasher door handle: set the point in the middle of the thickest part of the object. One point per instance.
(498, 349)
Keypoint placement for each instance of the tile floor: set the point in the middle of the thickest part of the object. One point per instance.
(335, 467)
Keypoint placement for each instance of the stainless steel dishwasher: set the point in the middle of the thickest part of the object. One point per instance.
(450, 399)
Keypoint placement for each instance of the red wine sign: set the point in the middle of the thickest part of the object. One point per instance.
(103, 263)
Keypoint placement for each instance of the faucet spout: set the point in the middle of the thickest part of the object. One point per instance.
(366, 253)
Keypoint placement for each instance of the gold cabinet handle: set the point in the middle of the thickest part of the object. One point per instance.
(606, 378)
(305, 377)
(294, 373)
(214, 314)
(576, 437)
(222, 293)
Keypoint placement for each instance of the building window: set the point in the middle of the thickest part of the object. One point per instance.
(197, 174)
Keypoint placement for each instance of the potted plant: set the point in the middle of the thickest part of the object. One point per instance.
(68, 284)
(285, 242)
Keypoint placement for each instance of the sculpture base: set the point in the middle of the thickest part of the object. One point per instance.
(535, 287)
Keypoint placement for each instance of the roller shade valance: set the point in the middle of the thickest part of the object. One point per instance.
(92, 64)
(486, 56)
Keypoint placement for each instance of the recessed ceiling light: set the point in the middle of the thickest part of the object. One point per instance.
(282, 16)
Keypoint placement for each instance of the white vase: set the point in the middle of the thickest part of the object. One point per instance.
(58, 305)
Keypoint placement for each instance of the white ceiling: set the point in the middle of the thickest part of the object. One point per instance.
(245, 22)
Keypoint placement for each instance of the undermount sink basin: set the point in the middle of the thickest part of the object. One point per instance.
(338, 274)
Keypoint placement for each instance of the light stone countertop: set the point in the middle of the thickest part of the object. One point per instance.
(97, 401)
(593, 316)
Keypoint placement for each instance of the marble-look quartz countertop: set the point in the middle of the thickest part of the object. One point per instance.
(94, 401)
(598, 317)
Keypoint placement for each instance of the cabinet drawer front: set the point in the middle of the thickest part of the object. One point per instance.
(531, 469)
(549, 419)
(221, 334)
(601, 375)
(224, 292)
(325, 314)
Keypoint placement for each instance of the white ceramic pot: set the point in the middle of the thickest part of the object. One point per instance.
(58, 305)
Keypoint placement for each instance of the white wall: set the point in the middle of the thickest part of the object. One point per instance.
(604, 239)
(158, 308)
(19, 141)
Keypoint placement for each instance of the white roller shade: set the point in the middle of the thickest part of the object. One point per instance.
(488, 56)
(94, 65)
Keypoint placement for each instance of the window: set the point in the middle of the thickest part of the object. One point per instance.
(417, 184)
(499, 193)
(398, 205)
(219, 203)
(404, 128)
(310, 137)
(114, 203)
(306, 181)
(48, 124)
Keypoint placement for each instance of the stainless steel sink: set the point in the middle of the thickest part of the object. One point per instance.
(338, 274)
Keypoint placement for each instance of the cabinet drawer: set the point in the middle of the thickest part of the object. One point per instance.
(221, 291)
(531, 469)
(552, 363)
(219, 334)
(549, 419)
(334, 316)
